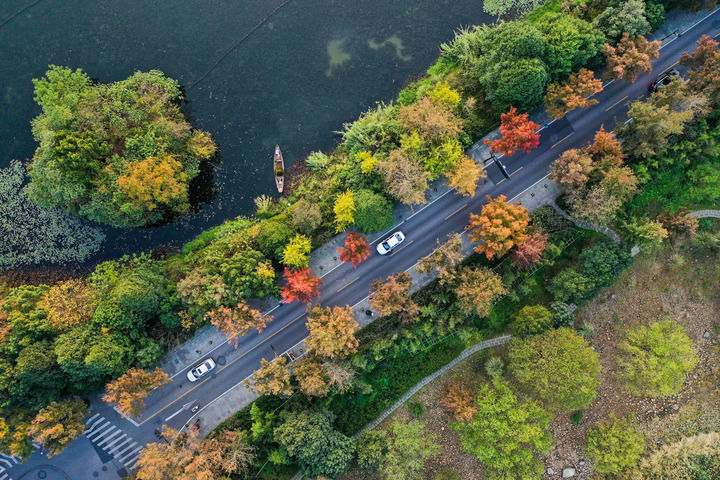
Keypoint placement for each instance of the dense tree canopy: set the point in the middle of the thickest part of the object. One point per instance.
(614, 445)
(120, 153)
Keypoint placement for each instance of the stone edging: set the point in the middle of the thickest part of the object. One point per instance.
(587, 225)
(705, 214)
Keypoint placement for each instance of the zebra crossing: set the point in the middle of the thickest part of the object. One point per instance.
(6, 463)
(112, 440)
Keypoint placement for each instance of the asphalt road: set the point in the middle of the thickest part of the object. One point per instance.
(348, 286)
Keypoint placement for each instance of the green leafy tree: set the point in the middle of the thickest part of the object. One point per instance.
(604, 261)
(121, 153)
(572, 43)
(557, 367)
(408, 446)
(500, 8)
(371, 448)
(531, 320)
(373, 212)
(297, 252)
(655, 358)
(306, 216)
(621, 17)
(505, 434)
(36, 378)
(518, 83)
(58, 424)
(272, 236)
(311, 439)
(614, 445)
(571, 285)
(649, 234)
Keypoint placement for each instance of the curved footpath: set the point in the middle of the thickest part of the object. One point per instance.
(111, 445)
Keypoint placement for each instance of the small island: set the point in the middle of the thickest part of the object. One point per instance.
(120, 153)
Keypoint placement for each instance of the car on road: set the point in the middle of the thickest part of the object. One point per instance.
(663, 79)
(201, 369)
(387, 245)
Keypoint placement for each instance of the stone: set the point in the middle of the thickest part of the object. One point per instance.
(568, 472)
(581, 463)
(706, 335)
(550, 471)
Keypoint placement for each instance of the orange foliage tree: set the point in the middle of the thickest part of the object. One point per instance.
(459, 400)
(153, 183)
(312, 379)
(393, 296)
(500, 226)
(69, 304)
(477, 289)
(529, 253)
(574, 93)
(704, 62)
(630, 57)
(332, 331)
(129, 391)
(300, 285)
(272, 377)
(226, 453)
(356, 250)
(58, 424)
(518, 133)
(238, 321)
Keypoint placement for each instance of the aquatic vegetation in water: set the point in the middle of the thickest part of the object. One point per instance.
(337, 55)
(393, 41)
(32, 234)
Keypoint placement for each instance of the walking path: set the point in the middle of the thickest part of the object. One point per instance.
(587, 225)
(705, 214)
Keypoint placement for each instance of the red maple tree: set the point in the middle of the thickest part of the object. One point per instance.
(529, 253)
(356, 249)
(518, 133)
(300, 285)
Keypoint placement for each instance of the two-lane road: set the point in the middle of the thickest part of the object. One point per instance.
(345, 285)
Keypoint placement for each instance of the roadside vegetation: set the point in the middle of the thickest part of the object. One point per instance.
(111, 328)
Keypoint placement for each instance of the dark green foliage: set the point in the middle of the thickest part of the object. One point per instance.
(519, 83)
(92, 136)
(371, 447)
(603, 262)
(417, 409)
(627, 16)
(310, 437)
(571, 286)
(655, 14)
(572, 43)
(576, 418)
(36, 379)
(374, 212)
(563, 316)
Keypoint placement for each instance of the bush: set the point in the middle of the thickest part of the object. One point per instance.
(32, 234)
(576, 418)
(373, 212)
(614, 445)
(272, 237)
(563, 316)
(494, 367)
(371, 447)
(446, 474)
(416, 408)
(531, 320)
(571, 285)
(604, 261)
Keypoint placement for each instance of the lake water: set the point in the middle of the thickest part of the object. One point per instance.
(312, 66)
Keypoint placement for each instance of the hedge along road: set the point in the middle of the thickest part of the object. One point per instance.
(448, 214)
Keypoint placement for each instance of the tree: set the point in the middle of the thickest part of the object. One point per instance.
(311, 378)
(571, 286)
(300, 285)
(371, 447)
(574, 93)
(166, 460)
(340, 375)
(443, 158)
(630, 57)
(373, 211)
(614, 445)
(393, 296)
(460, 401)
(571, 170)
(501, 225)
(477, 289)
(679, 223)
(409, 445)
(505, 434)
(128, 392)
(69, 304)
(604, 261)
(404, 177)
(332, 331)
(443, 259)
(122, 154)
(356, 250)
(310, 438)
(571, 43)
(518, 133)
(704, 65)
(557, 367)
(529, 253)
(297, 252)
(227, 452)
(655, 358)
(272, 377)
(627, 17)
(58, 424)
(695, 457)
(344, 210)
(649, 234)
(237, 322)
(500, 8)
(518, 83)
(272, 236)
(465, 175)
(433, 120)
(306, 216)
(532, 320)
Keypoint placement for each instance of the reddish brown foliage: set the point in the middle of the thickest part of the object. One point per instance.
(129, 391)
(529, 253)
(630, 57)
(393, 296)
(561, 98)
(332, 331)
(518, 133)
(679, 223)
(356, 249)
(705, 64)
(459, 400)
(300, 285)
(234, 323)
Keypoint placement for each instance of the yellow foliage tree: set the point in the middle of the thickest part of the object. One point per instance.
(201, 144)
(272, 377)
(367, 162)
(129, 391)
(332, 331)
(153, 183)
(313, 381)
(58, 424)
(69, 304)
(477, 289)
(465, 176)
(344, 210)
(297, 252)
(238, 321)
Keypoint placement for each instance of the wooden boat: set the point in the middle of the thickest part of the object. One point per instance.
(279, 168)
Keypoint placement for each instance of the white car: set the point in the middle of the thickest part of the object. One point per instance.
(387, 245)
(201, 369)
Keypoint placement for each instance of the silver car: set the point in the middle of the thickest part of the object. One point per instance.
(201, 370)
(387, 245)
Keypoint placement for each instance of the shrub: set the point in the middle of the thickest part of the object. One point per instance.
(446, 474)
(371, 447)
(614, 445)
(494, 367)
(416, 408)
(570, 285)
(563, 316)
(604, 261)
(374, 212)
(531, 320)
